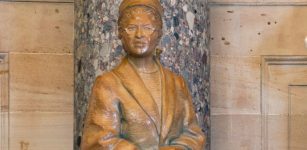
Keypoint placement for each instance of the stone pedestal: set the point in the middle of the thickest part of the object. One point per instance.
(184, 45)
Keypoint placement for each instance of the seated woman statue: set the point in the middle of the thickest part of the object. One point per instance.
(140, 105)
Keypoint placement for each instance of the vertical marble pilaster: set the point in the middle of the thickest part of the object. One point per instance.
(184, 45)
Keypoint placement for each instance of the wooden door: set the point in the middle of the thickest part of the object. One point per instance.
(258, 74)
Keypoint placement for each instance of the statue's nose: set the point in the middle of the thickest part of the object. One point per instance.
(139, 32)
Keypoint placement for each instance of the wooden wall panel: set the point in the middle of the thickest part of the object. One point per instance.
(36, 27)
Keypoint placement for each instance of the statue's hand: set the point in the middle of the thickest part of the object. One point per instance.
(171, 148)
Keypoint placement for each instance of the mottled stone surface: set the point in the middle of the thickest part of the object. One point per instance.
(184, 45)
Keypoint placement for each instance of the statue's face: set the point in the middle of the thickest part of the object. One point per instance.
(140, 32)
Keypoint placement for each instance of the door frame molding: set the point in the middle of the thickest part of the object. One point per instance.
(266, 62)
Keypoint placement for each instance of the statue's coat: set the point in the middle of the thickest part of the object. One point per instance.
(123, 114)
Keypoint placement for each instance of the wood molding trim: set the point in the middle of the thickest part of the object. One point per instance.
(4, 101)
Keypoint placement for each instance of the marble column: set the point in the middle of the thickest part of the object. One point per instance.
(184, 45)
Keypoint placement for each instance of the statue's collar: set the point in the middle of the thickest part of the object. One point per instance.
(134, 84)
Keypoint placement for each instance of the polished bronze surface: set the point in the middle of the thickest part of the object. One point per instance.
(140, 104)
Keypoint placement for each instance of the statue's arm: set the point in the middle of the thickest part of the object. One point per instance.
(102, 125)
(192, 137)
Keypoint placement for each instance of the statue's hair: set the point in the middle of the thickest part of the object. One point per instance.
(131, 10)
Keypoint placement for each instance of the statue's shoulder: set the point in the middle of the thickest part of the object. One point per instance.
(168, 72)
(105, 79)
(179, 80)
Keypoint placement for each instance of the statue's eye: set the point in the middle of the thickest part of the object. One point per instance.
(149, 28)
(145, 29)
(131, 28)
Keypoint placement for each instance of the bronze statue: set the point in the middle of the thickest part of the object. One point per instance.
(140, 105)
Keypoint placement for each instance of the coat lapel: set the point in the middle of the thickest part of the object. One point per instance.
(168, 102)
(136, 87)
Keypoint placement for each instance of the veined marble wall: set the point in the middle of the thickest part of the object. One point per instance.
(184, 45)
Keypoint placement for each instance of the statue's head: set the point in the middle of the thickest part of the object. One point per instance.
(140, 26)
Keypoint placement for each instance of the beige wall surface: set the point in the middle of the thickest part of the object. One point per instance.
(4, 97)
(257, 54)
(259, 2)
(38, 39)
(35, 27)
